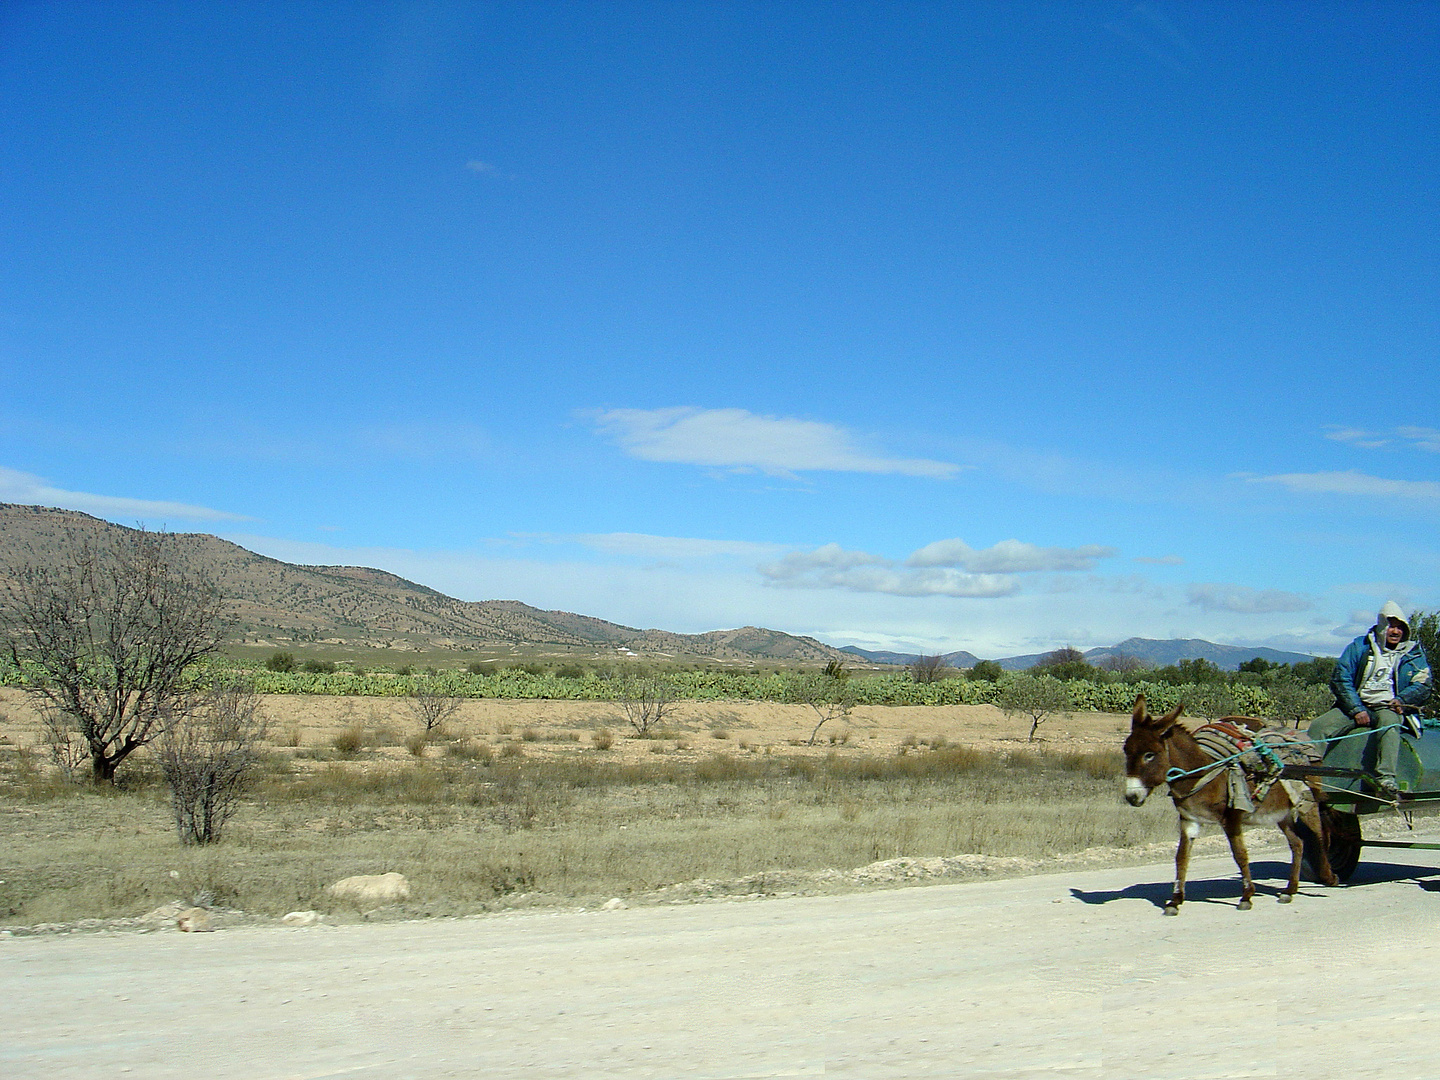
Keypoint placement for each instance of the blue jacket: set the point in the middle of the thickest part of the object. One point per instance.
(1412, 675)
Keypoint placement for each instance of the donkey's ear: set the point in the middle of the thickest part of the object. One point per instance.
(1168, 720)
(1141, 711)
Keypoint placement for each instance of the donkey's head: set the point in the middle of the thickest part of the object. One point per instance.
(1147, 751)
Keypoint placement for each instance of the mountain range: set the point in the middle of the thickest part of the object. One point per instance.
(274, 604)
(1149, 651)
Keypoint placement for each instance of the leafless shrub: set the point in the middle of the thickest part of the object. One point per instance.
(431, 706)
(416, 744)
(207, 754)
(929, 669)
(646, 700)
(603, 738)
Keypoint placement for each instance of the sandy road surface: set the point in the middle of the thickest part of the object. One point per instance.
(1074, 975)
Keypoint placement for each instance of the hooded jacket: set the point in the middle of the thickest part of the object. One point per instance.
(1412, 669)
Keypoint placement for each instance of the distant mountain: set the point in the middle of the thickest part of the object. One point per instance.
(959, 659)
(277, 604)
(1164, 653)
(1150, 652)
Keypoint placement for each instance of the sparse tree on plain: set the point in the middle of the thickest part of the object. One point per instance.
(106, 638)
(646, 700)
(830, 694)
(207, 755)
(432, 707)
(1037, 696)
(928, 669)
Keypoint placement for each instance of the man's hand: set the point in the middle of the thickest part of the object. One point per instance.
(1362, 719)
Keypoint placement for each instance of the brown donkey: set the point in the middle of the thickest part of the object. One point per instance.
(1159, 744)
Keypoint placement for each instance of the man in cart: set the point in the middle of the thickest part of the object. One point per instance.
(1381, 680)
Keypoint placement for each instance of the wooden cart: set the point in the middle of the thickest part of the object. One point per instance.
(1348, 776)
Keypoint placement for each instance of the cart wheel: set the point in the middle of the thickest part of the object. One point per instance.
(1345, 842)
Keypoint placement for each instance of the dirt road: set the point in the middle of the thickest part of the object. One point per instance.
(1074, 975)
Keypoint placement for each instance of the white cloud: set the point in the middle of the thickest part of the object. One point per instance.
(1008, 557)
(1159, 560)
(737, 439)
(1243, 600)
(832, 567)
(1400, 438)
(1352, 482)
(18, 487)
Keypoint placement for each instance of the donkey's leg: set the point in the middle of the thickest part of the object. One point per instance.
(1236, 836)
(1188, 831)
(1297, 852)
(1321, 829)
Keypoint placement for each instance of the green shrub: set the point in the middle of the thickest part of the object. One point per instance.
(281, 661)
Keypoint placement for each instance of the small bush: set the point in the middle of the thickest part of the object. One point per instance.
(318, 667)
(530, 735)
(470, 750)
(416, 744)
(719, 733)
(350, 741)
(281, 661)
(602, 738)
(512, 750)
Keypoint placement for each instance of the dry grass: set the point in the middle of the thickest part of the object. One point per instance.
(472, 832)
(487, 816)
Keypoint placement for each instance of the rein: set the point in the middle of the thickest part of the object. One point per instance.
(1176, 773)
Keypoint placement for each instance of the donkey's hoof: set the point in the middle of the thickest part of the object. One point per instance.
(1172, 909)
(1244, 905)
(1284, 898)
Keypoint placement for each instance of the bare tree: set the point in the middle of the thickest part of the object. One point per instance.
(106, 637)
(207, 756)
(432, 707)
(928, 669)
(1037, 696)
(646, 700)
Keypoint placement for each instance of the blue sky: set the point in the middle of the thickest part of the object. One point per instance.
(921, 325)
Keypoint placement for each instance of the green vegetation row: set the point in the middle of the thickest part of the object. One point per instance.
(792, 687)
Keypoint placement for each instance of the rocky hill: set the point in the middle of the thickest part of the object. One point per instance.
(280, 604)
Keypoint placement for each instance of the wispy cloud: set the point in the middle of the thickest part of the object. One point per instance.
(741, 440)
(426, 441)
(1400, 438)
(1009, 557)
(1243, 600)
(832, 567)
(1352, 482)
(19, 487)
(671, 548)
(485, 168)
(1159, 560)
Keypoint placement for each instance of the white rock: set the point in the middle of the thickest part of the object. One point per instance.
(614, 904)
(195, 920)
(301, 918)
(372, 888)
